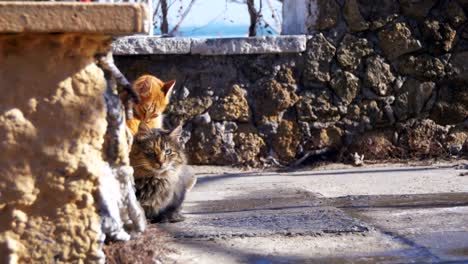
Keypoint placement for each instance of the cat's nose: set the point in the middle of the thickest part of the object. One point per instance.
(157, 163)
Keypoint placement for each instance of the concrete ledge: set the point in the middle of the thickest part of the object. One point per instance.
(143, 45)
(46, 17)
(279, 44)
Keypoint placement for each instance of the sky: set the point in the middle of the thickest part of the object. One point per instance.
(212, 12)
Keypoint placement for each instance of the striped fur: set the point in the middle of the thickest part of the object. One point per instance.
(161, 174)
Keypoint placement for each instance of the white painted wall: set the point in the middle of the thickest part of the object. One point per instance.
(298, 16)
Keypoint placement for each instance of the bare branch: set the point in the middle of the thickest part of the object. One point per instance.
(253, 18)
(164, 23)
(187, 10)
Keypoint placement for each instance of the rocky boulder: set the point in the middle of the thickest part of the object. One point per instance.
(459, 63)
(378, 75)
(371, 111)
(353, 16)
(271, 98)
(212, 143)
(249, 145)
(413, 98)
(330, 137)
(287, 140)
(315, 104)
(398, 39)
(351, 51)
(328, 15)
(182, 111)
(232, 107)
(454, 13)
(346, 85)
(423, 67)
(439, 36)
(451, 106)
(320, 53)
(378, 13)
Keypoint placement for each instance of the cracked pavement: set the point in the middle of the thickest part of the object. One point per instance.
(333, 214)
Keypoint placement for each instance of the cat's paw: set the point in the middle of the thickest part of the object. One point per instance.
(122, 236)
(176, 218)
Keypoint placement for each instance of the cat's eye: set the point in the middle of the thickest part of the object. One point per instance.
(168, 151)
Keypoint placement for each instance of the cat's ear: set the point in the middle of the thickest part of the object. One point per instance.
(167, 88)
(176, 133)
(143, 86)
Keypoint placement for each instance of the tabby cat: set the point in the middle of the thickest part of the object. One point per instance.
(161, 175)
(154, 96)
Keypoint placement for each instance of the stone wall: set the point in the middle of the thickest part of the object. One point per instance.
(52, 130)
(387, 79)
(51, 136)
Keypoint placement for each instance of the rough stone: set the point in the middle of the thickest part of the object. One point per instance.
(256, 45)
(271, 98)
(325, 137)
(457, 141)
(232, 107)
(378, 13)
(316, 105)
(374, 68)
(319, 55)
(418, 9)
(423, 67)
(213, 143)
(454, 13)
(371, 110)
(451, 106)
(250, 146)
(144, 45)
(354, 112)
(328, 14)
(378, 75)
(44, 17)
(351, 51)
(287, 140)
(184, 110)
(413, 98)
(397, 39)
(439, 36)
(49, 165)
(353, 16)
(286, 76)
(259, 67)
(346, 86)
(460, 67)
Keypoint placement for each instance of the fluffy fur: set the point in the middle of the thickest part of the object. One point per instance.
(154, 96)
(161, 175)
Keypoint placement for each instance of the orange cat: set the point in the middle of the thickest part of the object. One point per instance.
(154, 96)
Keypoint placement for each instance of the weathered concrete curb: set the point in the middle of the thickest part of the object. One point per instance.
(145, 45)
(44, 17)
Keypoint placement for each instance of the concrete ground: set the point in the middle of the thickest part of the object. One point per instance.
(334, 214)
